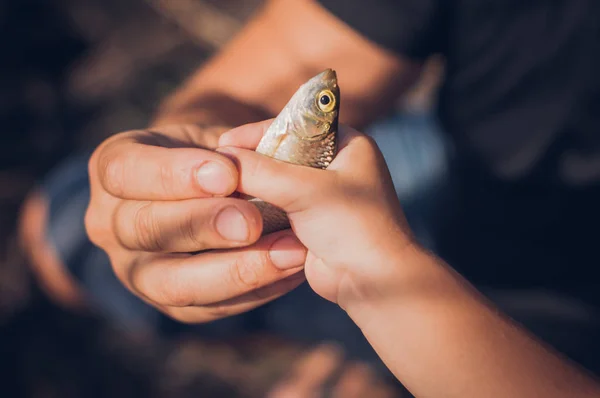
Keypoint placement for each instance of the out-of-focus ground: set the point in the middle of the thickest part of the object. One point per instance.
(72, 73)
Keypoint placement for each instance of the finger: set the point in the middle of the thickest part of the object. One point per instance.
(212, 277)
(288, 186)
(237, 305)
(187, 225)
(355, 150)
(282, 184)
(129, 169)
(247, 136)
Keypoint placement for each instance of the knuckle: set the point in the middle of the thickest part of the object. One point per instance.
(94, 227)
(146, 231)
(111, 170)
(255, 167)
(297, 203)
(246, 271)
(368, 144)
(107, 165)
(98, 226)
(189, 230)
(309, 191)
(317, 187)
(166, 176)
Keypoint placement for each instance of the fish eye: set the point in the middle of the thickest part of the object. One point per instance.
(326, 101)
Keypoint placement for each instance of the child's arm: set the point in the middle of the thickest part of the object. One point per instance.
(432, 329)
(443, 339)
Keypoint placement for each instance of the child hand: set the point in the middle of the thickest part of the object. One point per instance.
(348, 216)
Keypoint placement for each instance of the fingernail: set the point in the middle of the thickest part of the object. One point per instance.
(214, 178)
(231, 225)
(287, 252)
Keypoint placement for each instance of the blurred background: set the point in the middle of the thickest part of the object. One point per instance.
(73, 72)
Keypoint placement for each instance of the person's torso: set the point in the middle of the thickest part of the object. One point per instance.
(522, 101)
(522, 94)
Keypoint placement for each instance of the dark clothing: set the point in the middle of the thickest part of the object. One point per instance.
(522, 91)
(521, 101)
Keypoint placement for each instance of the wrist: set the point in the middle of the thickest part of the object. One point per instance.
(388, 281)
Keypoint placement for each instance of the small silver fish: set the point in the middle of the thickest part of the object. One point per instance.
(304, 133)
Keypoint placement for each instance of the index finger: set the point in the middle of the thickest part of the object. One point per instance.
(129, 169)
(249, 135)
(288, 186)
(246, 136)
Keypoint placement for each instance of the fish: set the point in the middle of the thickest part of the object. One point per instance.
(304, 133)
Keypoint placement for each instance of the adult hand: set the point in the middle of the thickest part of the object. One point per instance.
(158, 197)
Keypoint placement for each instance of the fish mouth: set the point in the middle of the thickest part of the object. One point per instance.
(328, 75)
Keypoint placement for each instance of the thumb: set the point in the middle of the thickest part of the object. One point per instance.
(288, 186)
(245, 136)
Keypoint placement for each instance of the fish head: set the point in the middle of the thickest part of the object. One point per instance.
(316, 107)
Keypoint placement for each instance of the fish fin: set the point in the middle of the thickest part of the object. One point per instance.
(275, 144)
(272, 139)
